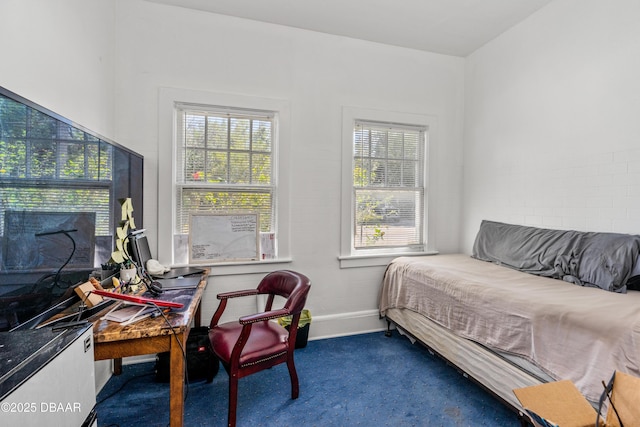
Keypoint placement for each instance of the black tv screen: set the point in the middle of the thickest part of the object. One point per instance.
(60, 191)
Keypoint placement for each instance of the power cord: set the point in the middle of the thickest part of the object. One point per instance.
(143, 274)
(184, 353)
(608, 396)
(122, 386)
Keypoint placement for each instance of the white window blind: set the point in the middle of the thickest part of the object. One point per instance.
(47, 165)
(224, 164)
(388, 185)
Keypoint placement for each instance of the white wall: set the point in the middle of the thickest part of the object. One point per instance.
(59, 54)
(164, 46)
(551, 133)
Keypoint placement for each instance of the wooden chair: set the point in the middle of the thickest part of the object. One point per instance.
(255, 342)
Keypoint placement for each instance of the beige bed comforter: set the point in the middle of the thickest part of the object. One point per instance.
(570, 332)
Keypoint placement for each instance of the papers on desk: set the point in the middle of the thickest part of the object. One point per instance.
(129, 313)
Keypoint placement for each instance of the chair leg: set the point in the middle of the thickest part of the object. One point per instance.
(295, 387)
(233, 399)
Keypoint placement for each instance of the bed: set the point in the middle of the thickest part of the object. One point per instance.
(528, 306)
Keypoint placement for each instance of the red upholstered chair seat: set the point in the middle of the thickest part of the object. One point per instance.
(266, 339)
(255, 342)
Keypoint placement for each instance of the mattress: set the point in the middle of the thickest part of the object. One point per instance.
(566, 331)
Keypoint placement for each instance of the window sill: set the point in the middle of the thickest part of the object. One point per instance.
(248, 267)
(373, 260)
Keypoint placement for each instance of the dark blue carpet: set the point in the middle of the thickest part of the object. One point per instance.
(364, 380)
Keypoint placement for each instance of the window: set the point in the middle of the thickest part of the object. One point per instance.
(385, 158)
(250, 180)
(224, 163)
(388, 185)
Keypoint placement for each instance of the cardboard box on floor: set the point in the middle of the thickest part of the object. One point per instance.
(560, 403)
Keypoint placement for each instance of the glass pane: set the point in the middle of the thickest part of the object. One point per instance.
(217, 167)
(79, 135)
(378, 173)
(194, 169)
(378, 144)
(361, 141)
(387, 218)
(106, 156)
(72, 160)
(410, 174)
(217, 132)
(93, 161)
(207, 201)
(411, 145)
(240, 134)
(194, 130)
(261, 169)
(363, 173)
(43, 160)
(261, 135)
(43, 199)
(394, 173)
(41, 126)
(65, 131)
(360, 173)
(239, 168)
(396, 144)
(13, 158)
(13, 119)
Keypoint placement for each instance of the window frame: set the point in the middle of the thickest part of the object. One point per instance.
(349, 255)
(169, 99)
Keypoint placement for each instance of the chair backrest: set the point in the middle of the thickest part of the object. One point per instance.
(288, 284)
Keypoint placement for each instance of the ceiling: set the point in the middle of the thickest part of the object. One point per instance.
(451, 27)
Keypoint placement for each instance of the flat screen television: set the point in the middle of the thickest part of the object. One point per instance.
(60, 186)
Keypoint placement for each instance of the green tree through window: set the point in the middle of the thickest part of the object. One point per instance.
(50, 166)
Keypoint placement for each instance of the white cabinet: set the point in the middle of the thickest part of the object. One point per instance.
(47, 378)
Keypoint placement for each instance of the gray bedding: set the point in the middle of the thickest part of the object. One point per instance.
(603, 260)
(570, 332)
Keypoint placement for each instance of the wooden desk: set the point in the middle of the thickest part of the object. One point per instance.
(148, 336)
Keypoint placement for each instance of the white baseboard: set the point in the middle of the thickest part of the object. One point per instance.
(343, 324)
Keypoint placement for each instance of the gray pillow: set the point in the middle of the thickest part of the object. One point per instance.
(607, 260)
(603, 260)
(549, 253)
